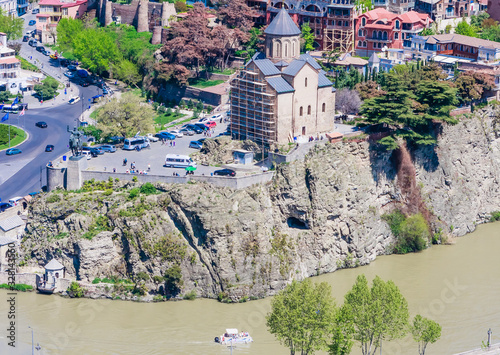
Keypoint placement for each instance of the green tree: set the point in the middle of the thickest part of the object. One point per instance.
(11, 26)
(491, 33)
(302, 316)
(173, 280)
(427, 32)
(75, 290)
(413, 235)
(127, 72)
(125, 117)
(378, 313)
(437, 98)
(342, 333)
(307, 37)
(424, 331)
(97, 50)
(67, 30)
(47, 89)
(463, 28)
(139, 279)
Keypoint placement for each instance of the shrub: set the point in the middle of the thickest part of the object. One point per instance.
(135, 179)
(134, 193)
(495, 216)
(148, 189)
(75, 290)
(173, 280)
(53, 198)
(414, 235)
(96, 280)
(17, 287)
(394, 219)
(190, 295)
(108, 192)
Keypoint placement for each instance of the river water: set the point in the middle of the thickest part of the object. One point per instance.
(458, 286)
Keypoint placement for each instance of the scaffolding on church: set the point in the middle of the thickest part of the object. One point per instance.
(252, 109)
(339, 31)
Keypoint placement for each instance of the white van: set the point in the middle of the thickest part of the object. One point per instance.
(178, 161)
(86, 153)
(15, 200)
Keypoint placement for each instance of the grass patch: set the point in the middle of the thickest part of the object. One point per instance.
(94, 113)
(165, 118)
(412, 233)
(181, 122)
(17, 135)
(27, 65)
(227, 71)
(203, 83)
(17, 287)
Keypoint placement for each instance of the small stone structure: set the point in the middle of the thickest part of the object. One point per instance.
(143, 15)
(244, 157)
(12, 227)
(54, 272)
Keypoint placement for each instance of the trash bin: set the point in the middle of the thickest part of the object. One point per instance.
(64, 157)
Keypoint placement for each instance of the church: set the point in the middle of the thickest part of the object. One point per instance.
(281, 94)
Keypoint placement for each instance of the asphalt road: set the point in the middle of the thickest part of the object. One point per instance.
(21, 174)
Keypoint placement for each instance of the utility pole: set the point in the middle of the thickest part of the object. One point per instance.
(489, 337)
(32, 344)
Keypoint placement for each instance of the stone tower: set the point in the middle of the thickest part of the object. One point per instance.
(282, 38)
(142, 17)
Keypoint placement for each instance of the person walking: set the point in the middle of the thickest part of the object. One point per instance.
(149, 167)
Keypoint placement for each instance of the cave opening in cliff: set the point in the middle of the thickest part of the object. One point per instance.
(296, 223)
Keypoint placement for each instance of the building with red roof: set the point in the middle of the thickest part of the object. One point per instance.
(380, 28)
(51, 11)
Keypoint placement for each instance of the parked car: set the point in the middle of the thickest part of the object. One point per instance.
(211, 124)
(84, 83)
(69, 74)
(186, 131)
(195, 144)
(194, 128)
(32, 23)
(64, 62)
(39, 48)
(176, 133)
(33, 42)
(13, 151)
(202, 126)
(87, 154)
(225, 172)
(165, 135)
(41, 124)
(46, 52)
(108, 148)
(105, 91)
(35, 11)
(49, 148)
(152, 138)
(53, 56)
(74, 100)
(72, 67)
(204, 119)
(4, 206)
(26, 38)
(97, 150)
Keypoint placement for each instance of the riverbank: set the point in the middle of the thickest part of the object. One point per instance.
(457, 286)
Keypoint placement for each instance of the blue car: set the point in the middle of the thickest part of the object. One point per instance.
(32, 22)
(13, 151)
(195, 144)
(165, 135)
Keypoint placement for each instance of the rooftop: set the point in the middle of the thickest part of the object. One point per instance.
(11, 223)
(282, 25)
(54, 265)
(461, 39)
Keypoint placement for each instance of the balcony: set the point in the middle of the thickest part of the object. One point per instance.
(375, 39)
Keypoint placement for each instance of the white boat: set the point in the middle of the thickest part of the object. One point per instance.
(231, 336)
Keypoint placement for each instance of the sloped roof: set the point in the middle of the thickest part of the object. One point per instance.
(280, 85)
(281, 63)
(308, 58)
(294, 67)
(258, 55)
(461, 39)
(323, 80)
(374, 59)
(54, 265)
(266, 67)
(4, 240)
(379, 14)
(11, 223)
(282, 25)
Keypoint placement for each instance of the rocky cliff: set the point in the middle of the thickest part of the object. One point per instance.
(316, 216)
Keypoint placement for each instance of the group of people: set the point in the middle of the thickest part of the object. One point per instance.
(311, 138)
(164, 142)
(209, 132)
(133, 168)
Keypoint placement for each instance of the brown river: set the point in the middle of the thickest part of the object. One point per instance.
(458, 286)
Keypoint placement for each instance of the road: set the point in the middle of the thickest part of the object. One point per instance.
(21, 174)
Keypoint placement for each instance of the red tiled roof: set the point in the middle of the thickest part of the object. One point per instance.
(9, 60)
(379, 27)
(379, 14)
(72, 4)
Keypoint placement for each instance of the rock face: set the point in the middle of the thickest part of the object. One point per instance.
(316, 216)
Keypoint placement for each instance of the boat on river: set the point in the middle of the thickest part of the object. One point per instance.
(231, 336)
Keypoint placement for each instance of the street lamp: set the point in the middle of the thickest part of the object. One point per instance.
(32, 344)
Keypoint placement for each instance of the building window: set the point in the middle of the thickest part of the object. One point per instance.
(360, 33)
(323, 107)
(364, 44)
(286, 50)
(396, 35)
(397, 24)
(306, 82)
(363, 21)
(309, 109)
(360, 44)
(301, 111)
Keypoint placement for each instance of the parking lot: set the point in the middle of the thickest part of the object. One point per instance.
(154, 156)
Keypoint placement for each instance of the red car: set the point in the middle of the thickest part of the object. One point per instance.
(210, 124)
